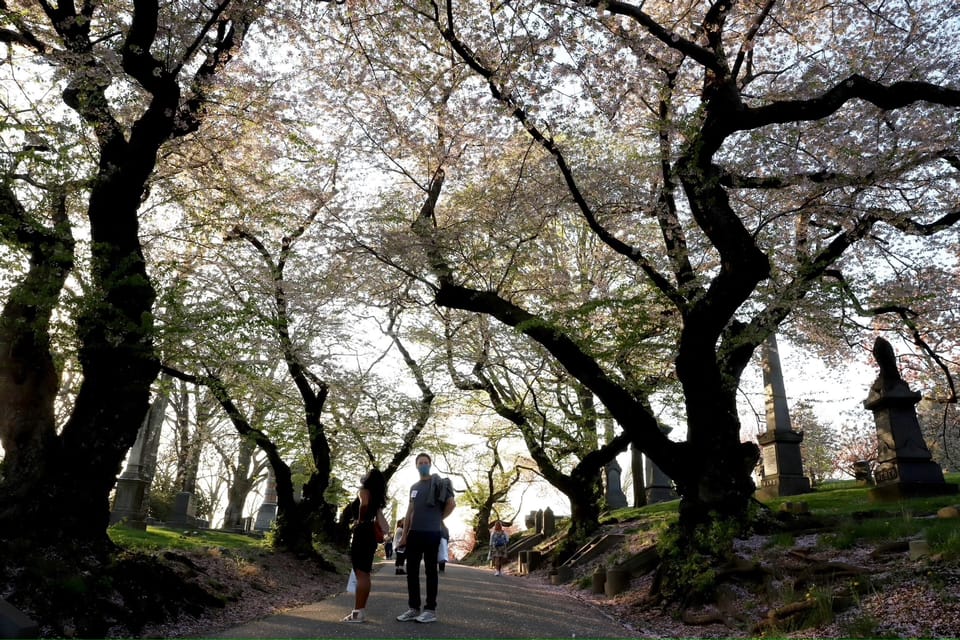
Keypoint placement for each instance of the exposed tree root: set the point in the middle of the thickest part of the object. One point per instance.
(828, 572)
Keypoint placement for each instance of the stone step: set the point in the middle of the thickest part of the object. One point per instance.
(596, 546)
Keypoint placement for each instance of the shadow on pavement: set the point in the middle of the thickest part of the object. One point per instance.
(472, 603)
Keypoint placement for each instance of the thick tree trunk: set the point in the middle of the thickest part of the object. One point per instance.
(240, 486)
(29, 378)
(293, 527)
(636, 469)
(61, 484)
(185, 478)
(64, 493)
(118, 364)
(481, 527)
(714, 475)
(64, 490)
(586, 495)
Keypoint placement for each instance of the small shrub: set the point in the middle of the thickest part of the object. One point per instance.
(689, 563)
(784, 540)
(245, 568)
(864, 626)
(822, 611)
(944, 537)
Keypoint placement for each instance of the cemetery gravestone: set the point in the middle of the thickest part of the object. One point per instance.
(905, 467)
(268, 510)
(549, 522)
(184, 510)
(659, 485)
(779, 444)
(615, 497)
(613, 491)
(133, 485)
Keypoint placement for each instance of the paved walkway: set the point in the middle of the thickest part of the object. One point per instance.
(473, 603)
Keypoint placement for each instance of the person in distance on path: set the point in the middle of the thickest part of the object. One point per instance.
(401, 552)
(498, 547)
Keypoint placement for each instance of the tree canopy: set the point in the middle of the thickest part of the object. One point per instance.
(584, 209)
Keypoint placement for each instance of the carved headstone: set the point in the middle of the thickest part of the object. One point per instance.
(549, 522)
(184, 512)
(614, 495)
(659, 485)
(613, 489)
(133, 485)
(538, 522)
(905, 467)
(779, 444)
(268, 510)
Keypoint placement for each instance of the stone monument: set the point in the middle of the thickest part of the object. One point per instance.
(659, 486)
(184, 512)
(133, 485)
(613, 489)
(779, 444)
(905, 467)
(614, 495)
(636, 471)
(268, 510)
(549, 522)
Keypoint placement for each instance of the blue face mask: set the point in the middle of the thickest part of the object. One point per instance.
(424, 469)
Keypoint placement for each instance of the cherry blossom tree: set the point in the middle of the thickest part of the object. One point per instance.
(742, 161)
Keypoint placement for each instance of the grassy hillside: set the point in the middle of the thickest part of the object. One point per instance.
(157, 538)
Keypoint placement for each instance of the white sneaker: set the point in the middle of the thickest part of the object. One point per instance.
(409, 614)
(427, 616)
(356, 615)
(497, 573)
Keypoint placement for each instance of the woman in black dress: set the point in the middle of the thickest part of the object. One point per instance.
(370, 503)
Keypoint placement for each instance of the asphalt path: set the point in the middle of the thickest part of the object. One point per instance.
(472, 603)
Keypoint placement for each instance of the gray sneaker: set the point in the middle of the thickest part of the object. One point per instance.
(427, 616)
(409, 614)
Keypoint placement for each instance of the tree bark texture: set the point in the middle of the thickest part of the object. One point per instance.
(29, 379)
(64, 491)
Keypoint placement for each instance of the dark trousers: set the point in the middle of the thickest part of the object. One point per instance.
(401, 556)
(422, 545)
